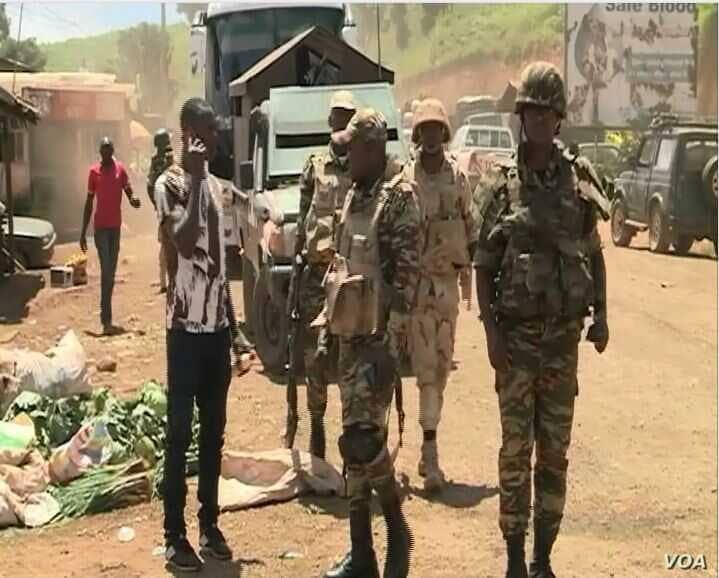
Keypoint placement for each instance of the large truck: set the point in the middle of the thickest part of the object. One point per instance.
(273, 92)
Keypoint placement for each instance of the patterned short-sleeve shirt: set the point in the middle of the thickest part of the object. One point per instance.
(196, 292)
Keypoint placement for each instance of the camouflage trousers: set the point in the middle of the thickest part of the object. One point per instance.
(366, 386)
(312, 297)
(432, 331)
(536, 404)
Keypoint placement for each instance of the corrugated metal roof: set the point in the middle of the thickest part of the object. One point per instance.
(238, 86)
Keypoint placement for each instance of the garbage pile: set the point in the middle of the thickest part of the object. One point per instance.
(97, 452)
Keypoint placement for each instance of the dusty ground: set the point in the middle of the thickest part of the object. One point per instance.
(643, 473)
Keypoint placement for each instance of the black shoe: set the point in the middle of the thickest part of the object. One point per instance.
(181, 556)
(360, 561)
(213, 543)
(516, 564)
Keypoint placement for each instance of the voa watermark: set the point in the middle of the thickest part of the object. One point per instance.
(685, 562)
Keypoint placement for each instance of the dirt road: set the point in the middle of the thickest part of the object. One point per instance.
(643, 472)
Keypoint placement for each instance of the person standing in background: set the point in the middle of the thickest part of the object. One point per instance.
(106, 182)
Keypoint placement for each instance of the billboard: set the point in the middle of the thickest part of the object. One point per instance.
(625, 62)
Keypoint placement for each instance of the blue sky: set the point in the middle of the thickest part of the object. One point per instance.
(52, 21)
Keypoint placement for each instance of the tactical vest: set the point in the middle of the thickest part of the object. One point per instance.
(330, 187)
(444, 244)
(353, 283)
(546, 269)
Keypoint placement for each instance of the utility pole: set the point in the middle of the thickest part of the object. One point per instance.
(379, 45)
(163, 15)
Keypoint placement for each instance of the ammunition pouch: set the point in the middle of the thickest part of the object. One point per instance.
(353, 301)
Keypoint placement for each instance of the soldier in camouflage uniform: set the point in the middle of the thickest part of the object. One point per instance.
(323, 185)
(540, 272)
(372, 279)
(442, 189)
(161, 160)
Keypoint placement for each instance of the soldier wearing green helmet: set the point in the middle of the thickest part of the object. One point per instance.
(540, 272)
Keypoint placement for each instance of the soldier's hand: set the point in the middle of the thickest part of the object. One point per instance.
(468, 304)
(497, 348)
(599, 334)
(83, 244)
(135, 203)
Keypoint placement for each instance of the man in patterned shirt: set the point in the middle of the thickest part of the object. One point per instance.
(189, 209)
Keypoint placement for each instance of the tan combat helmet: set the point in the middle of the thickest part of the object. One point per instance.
(343, 99)
(430, 110)
(541, 85)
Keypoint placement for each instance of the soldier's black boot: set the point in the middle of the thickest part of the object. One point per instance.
(543, 541)
(317, 437)
(360, 561)
(399, 537)
(516, 565)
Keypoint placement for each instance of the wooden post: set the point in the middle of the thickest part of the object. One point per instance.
(8, 190)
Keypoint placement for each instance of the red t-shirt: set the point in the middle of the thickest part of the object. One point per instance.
(107, 185)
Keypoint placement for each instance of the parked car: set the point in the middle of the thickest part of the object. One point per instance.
(671, 190)
(607, 161)
(34, 239)
(487, 139)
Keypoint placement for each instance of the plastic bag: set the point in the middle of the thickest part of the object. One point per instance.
(61, 372)
(16, 435)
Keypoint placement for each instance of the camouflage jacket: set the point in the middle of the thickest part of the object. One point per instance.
(398, 236)
(324, 175)
(159, 164)
(536, 232)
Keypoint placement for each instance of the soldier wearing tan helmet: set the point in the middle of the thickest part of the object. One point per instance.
(324, 182)
(445, 198)
(540, 272)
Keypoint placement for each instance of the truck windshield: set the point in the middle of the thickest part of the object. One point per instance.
(242, 38)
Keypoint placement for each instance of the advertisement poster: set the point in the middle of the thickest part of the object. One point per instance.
(627, 62)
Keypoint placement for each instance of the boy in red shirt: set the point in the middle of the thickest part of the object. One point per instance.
(107, 181)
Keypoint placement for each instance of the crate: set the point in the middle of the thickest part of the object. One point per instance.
(61, 277)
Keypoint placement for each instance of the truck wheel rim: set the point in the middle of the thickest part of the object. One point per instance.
(656, 225)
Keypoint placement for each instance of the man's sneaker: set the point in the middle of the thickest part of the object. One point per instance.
(181, 556)
(213, 543)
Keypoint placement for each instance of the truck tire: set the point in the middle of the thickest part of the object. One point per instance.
(709, 181)
(270, 326)
(682, 244)
(658, 230)
(248, 291)
(621, 234)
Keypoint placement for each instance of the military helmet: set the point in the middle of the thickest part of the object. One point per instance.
(541, 85)
(430, 110)
(162, 138)
(344, 100)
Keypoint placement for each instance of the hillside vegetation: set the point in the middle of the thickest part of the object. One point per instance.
(416, 38)
(100, 54)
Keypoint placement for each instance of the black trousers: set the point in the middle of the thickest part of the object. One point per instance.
(198, 371)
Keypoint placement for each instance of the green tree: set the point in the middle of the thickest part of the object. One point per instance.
(26, 51)
(144, 57)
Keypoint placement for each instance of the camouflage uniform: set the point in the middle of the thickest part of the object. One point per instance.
(445, 200)
(377, 248)
(537, 236)
(323, 184)
(161, 161)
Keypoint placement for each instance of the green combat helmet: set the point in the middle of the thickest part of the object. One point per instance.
(541, 85)
(162, 139)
